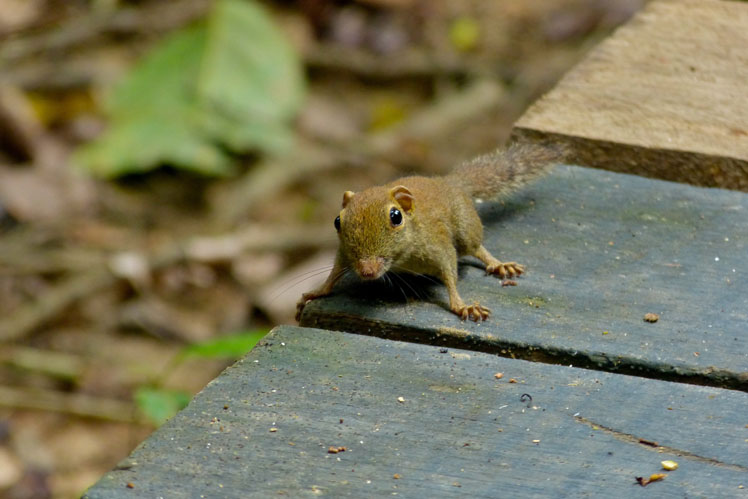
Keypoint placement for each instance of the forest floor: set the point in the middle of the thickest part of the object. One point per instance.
(105, 282)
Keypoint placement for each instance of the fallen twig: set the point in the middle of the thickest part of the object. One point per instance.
(58, 365)
(70, 403)
(155, 18)
(408, 63)
(51, 303)
(19, 261)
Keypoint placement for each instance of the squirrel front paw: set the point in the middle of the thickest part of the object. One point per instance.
(305, 298)
(474, 312)
(506, 269)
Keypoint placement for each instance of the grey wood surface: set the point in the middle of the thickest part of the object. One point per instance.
(439, 420)
(664, 96)
(602, 250)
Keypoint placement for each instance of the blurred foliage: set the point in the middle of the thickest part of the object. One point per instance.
(230, 84)
(159, 404)
(231, 346)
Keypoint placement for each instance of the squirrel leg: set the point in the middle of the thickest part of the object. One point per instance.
(335, 274)
(474, 312)
(495, 266)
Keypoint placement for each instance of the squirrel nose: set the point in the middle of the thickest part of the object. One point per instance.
(370, 268)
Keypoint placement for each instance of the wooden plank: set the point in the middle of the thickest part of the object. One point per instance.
(665, 96)
(458, 431)
(602, 249)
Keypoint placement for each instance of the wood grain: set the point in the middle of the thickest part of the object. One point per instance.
(419, 422)
(665, 96)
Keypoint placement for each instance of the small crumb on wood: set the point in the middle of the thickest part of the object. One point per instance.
(335, 450)
(669, 465)
(401, 399)
(651, 317)
(273, 430)
(396, 476)
(130, 485)
(512, 380)
(508, 282)
(498, 375)
(656, 477)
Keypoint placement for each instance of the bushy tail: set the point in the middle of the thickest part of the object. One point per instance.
(504, 170)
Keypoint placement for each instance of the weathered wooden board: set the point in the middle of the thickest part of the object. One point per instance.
(602, 250)
(665, 96)
(458, 431)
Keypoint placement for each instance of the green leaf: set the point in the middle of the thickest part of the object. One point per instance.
(158, 404)
(242, 35)
(137, 146)
(232, 83)
(232, 346)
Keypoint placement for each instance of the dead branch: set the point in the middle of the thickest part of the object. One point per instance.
(57, 365)
(414, 62)
(442, 117)
(157, 17)
(54, 301)
(257, 239)
(74, 404)
(268, 177)
(19, 261)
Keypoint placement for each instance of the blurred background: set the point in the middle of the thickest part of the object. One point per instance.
(170, 171)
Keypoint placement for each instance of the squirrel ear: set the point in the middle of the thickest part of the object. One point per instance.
(347, 195)
(403, 197)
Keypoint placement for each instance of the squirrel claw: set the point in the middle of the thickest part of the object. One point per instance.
(474, 312)
(506, 269)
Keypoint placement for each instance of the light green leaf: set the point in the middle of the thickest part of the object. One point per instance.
(138, 146)
(232, 346)
(158, 404)
(164, 81)
(232, 83)
(242, 35)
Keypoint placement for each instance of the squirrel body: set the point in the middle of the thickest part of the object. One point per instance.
(422, 225)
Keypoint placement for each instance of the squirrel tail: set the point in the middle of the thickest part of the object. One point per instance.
(504, 170)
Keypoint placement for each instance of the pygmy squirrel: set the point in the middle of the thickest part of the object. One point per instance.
(422, 225)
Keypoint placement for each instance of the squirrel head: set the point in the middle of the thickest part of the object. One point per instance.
(374, 228)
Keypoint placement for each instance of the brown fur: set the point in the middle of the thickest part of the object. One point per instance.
(504, 170)
(439, 223)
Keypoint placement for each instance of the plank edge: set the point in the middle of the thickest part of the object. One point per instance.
(689, 167)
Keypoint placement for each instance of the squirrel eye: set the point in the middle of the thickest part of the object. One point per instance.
(396, 218)
(337, 223)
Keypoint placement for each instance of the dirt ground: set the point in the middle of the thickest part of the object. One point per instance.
(104, 282)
